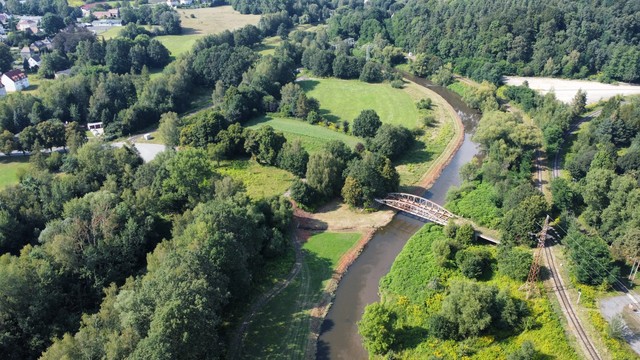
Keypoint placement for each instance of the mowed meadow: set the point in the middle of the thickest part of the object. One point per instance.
(197, 23)
(343, 100)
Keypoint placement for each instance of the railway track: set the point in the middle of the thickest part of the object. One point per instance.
(567, 307)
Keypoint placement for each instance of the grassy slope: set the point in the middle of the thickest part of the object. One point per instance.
(281, 330)
(9, 168)
(260, 181)
(404, 289)
(312, 137)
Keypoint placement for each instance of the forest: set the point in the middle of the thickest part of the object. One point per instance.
(485, 40)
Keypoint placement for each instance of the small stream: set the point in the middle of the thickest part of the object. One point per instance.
(339, 338)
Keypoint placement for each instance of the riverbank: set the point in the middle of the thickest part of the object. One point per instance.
(320, 311)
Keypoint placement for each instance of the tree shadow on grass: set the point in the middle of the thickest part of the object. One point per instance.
(327, 115)
(308, 85)
(416, 155)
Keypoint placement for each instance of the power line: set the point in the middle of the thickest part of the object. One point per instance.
(628, 291)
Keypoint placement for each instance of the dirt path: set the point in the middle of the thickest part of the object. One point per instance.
(235, 349)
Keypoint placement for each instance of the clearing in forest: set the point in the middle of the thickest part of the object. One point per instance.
(197, 23)
(9, 169)
(260, 181)
(281, 329)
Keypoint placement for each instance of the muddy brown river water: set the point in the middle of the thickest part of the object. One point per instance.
(339, 338)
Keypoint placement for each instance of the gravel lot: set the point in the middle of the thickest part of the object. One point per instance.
(613, 306)
(148, 152)
(566, 89)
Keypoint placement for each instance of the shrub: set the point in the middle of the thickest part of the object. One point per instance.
(303, 193)
(473, 262)
(514, 262)
(428, 121)
(424, 104)
(376, 328)
(397, 84)
(465, 234)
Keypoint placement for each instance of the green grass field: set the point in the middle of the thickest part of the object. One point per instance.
(313, 137)
(405, 292)
(260, 181)
(345, 99)
(281, 329)
(269, 45)
(197, 23)
(395, 106)
(9, 168)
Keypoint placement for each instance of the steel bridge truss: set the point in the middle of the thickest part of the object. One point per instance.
(418, 206)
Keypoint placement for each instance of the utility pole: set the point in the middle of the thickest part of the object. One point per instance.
(634, 270)
(530, 286)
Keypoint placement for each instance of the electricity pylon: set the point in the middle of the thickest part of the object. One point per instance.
(530, 286)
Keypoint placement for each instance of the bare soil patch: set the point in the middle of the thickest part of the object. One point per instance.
(565, 89)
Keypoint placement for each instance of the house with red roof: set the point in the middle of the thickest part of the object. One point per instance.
(14, 80)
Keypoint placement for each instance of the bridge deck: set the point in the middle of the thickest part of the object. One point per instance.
(428, 210)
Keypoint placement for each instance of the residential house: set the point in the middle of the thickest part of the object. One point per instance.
(62, 73)
(186, 2)
(14, 80)
(106, 23)
(173, 2)
(109, 14)
(26, 53)
(34, 61)
(4, 18)
(27, 25)
(41, 46)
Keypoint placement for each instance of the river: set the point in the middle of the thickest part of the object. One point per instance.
(339, 338)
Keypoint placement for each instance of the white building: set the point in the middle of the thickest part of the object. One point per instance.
(14, 80)
(34, 61)
(173, 2)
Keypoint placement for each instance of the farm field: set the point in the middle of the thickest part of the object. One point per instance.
(313, 137)
(565, 89)
(9, 168)
(260, 181)
(197, 23)
(281, 329)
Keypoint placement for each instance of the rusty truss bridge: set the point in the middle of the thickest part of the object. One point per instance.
(430, 211)
(418, 206)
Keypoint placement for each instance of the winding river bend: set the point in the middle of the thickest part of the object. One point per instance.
(339, 338)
